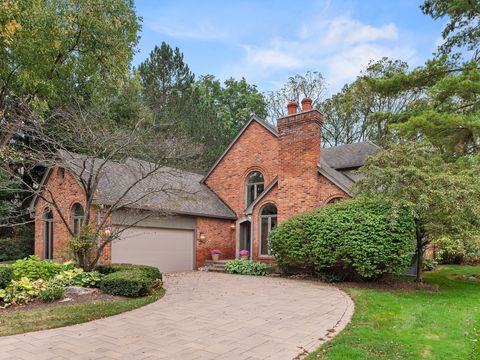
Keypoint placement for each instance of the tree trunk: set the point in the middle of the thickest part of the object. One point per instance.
(420, 234)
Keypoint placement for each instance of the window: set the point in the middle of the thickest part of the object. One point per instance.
(268, 221)
(48, 234)
(254, 186)
(61, 174)
(335, 200)
(78, 216)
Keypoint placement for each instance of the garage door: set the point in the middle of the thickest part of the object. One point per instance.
(167, 249)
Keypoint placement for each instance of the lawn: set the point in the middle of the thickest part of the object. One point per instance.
(413, 324)
(40, 319)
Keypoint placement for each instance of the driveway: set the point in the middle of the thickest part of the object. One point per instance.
(202, 316)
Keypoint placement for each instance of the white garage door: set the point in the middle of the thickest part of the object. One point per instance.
(167, 249)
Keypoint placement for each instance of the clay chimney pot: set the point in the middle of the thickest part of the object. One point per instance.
(292, 107)
(306, 104)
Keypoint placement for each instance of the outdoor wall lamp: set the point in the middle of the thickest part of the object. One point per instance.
(232, 227)
(107, 231)
(202, 236)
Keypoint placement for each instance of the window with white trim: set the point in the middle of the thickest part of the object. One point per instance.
(268, 221)
(48, 234)
(254, 186)
(78, 217)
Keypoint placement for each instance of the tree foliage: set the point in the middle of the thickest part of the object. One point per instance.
(53, 50)
(463, 28)
(443, 195)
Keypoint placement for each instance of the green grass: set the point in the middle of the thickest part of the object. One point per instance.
(413, 324)
(22, 321)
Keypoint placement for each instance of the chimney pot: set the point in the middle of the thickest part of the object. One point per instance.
(306, 104)
(292, 107)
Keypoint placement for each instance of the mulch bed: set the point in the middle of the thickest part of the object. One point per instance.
(386, 284)
(74, 300)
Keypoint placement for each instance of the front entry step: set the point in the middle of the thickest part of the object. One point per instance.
(218, 266)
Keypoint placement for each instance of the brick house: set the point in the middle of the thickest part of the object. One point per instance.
(266, 175)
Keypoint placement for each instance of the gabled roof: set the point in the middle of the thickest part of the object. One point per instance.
(161, 189)
(336, 177)
(255, 118)
(348, 155)
(270, 186)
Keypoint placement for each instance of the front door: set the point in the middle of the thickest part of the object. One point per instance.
(246, 237)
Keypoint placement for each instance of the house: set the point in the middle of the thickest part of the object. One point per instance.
(266, 175)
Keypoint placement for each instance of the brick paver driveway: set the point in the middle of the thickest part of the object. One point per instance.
(202, 316)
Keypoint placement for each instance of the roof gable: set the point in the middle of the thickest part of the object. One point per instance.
(254, 118)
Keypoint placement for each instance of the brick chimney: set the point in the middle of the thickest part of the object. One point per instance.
(300, 137)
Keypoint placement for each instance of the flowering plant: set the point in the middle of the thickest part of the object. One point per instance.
(216, 251)
(244, 252)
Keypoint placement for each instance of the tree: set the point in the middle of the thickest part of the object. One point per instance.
(231, 104)
(87, 147)
(311, 85)
(165, 77)
(463, 29)
(52, 51)
(444, 196)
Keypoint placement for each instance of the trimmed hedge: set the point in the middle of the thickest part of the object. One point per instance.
(128, 279)
(361, 237)
(13, 249)
(6, 275)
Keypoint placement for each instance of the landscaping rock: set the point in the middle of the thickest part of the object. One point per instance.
(79, 290)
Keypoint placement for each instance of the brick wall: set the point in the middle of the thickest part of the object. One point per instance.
(256, 149)
(298, 185)
(67, 192)
(218, 235)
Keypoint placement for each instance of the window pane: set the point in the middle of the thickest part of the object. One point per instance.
(264, 236)
(259, 189)
(269, 210)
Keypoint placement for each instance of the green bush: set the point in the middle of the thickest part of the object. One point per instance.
(6, 275)
(53, 291)
(21, 291)
(33, 268)
(132, 283)
(246, 267)
(128, 279)
(13, 249)
(429, 264)
(150, 271)
(361, 237)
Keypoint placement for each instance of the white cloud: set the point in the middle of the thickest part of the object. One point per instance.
(198, 31)
(339, 48)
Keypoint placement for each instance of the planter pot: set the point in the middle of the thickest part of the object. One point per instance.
(244, 257)
(215, 257)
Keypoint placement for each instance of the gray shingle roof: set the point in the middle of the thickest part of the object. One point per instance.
(165, 189)
(348, 155)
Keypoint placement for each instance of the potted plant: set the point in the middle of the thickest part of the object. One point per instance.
(215, 254)
(244, 254)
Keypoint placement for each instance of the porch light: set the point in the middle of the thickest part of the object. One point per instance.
(232, 226)
(107, 231)
(202, 236)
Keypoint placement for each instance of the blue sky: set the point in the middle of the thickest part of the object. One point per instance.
(266, 41)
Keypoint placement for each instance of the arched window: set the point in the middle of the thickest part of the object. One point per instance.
(48, 234)
(335, 200)
(254, 186)
(268, 221)
(78, 216)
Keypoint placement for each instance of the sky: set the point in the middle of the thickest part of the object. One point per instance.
(267, 41)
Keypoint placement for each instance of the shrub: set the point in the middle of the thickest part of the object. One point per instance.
(22, 291)
(132, 283)
(6, 275)
(13, 249)
(429, 264)
(150, 271)
(33, 268)
(361, 237)
(128, 279)
(53, 291)
(246, 267)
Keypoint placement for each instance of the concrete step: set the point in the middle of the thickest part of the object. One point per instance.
(217, 266)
